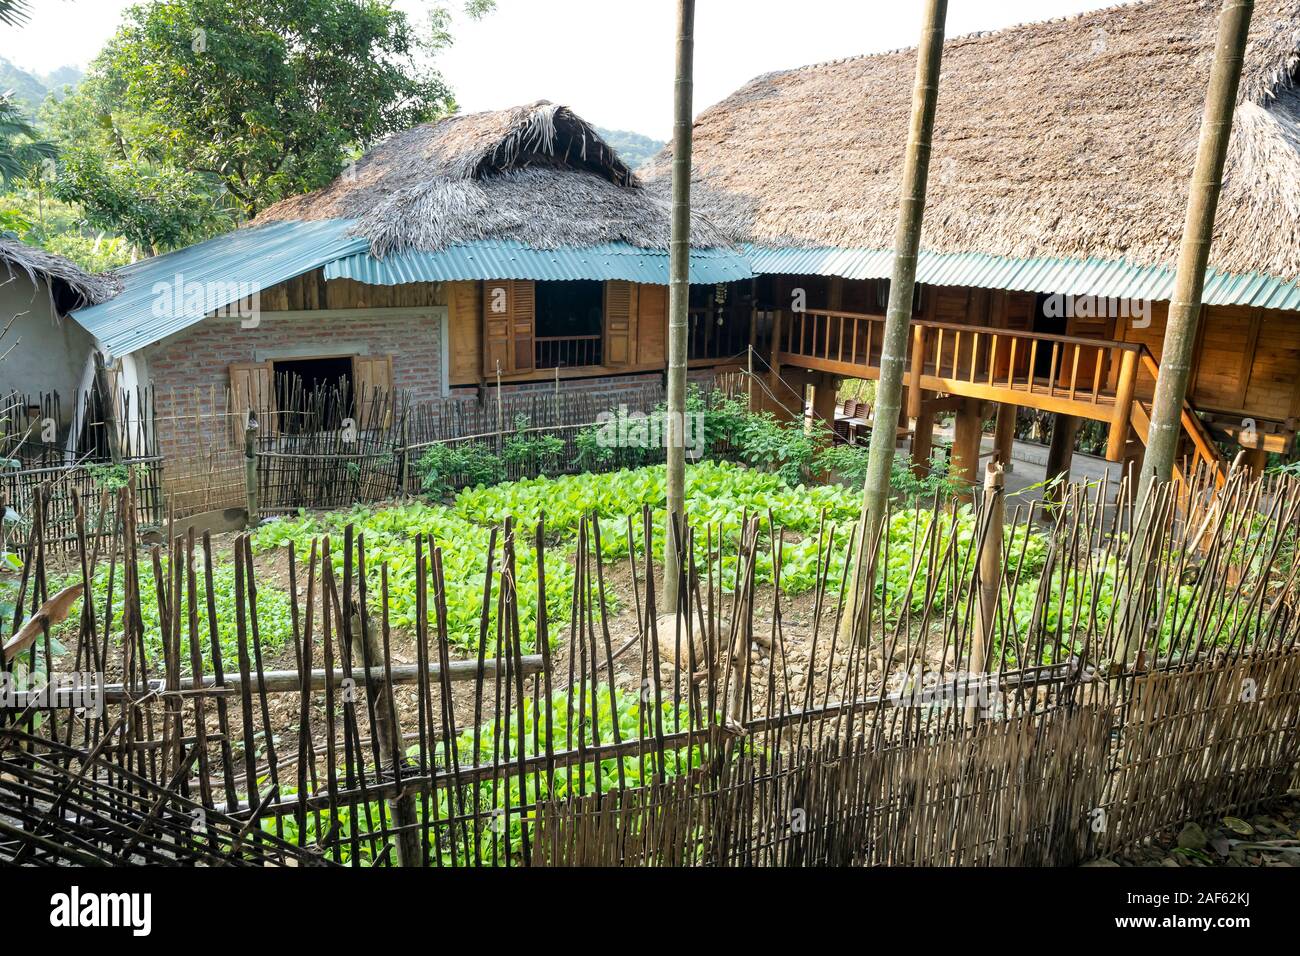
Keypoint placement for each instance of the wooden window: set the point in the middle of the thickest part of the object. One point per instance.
(620, 323)
(509, 326)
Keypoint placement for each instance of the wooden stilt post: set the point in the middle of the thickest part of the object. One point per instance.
(1060, 452)
(990, 577)
(966, 448)
(922, 444)
(1004, 435)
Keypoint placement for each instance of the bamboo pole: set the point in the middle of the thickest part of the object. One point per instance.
(893, 356)
(679, 297)
(1198, 230)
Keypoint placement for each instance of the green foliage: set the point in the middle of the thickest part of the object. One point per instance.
(592, 453)
(444, 465)
(114, 477)
(633, 148)
(267, 96)
(935, 483)
(498, 741)
(538, 451)
(786, 447)
(21, 147)
(274, 613)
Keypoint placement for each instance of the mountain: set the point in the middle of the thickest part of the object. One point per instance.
(633, 148)
(29, 89)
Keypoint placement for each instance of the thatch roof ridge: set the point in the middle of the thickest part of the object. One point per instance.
(537, 173)
(70, 286)
(1069, 138)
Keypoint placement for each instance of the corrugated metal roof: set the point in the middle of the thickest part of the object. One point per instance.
(1098, 277)
(165, 294)
(510, 259)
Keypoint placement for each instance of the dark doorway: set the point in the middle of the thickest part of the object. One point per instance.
(312, 383)
(1049, 325)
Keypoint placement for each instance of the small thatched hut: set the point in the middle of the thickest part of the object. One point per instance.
(41, 350)
(1062, 157)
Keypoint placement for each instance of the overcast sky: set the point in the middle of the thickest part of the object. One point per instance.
(611, 60)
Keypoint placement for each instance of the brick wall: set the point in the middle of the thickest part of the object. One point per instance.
(196, 362)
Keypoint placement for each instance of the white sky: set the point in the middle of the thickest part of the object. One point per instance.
(610, 60)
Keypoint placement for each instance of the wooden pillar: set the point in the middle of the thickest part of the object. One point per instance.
(1061, 451)
(922, 443)
(966, 447)
(1125, 385)
(1255, 461)
(1004, 435)
(826, 388)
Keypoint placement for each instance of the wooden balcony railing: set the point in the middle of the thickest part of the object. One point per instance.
(567, 351)
(1072, 375)
(1051, 370)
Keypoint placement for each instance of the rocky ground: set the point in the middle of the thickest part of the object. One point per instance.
(1268, 838)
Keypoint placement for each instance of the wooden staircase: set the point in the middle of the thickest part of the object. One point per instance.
(1205, 453)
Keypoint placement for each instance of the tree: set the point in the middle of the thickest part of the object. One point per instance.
(21, 148)
(902, 287)
(14, 12)
(679, 296)
(235, 104)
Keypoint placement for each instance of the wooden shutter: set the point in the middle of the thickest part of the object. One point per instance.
(620, 323)
(523, 323)
(652, 324)
(251, 390)
(372, 387)
(509, 325)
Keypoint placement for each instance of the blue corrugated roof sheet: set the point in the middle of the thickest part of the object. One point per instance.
(157, 298)
(168, 293)
(510, 259)
(1098, 277)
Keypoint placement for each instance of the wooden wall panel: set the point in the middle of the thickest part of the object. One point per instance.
(1223, 361)
(1275, 370)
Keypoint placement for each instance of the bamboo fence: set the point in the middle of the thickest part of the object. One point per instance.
(981, 715)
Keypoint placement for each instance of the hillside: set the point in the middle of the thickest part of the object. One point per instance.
(633, 148)
(29, 89)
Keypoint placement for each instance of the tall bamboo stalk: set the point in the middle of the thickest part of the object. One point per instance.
(1198, 231)
(893, 356)
(678, 294)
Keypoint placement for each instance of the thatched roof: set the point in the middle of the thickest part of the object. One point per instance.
(538, 174)
(70, 286)
(1070, 138)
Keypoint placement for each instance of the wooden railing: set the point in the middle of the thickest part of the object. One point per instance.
(987, 360)
(706, 339)
(847, 337)
(567, 351)
(1205, 453)
(1068, 374)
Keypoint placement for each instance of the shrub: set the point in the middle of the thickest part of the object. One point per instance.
(445, 465)
(526, 450)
